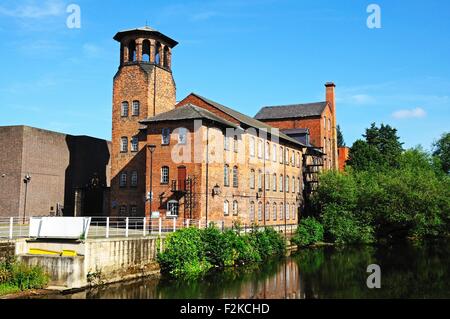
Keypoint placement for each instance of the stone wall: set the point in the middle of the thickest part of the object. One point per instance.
(6, 250)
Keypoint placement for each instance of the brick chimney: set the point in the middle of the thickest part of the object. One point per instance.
(331, 99)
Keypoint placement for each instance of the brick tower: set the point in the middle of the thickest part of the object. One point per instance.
(143, 87)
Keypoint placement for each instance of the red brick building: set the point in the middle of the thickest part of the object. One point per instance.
(201, 160)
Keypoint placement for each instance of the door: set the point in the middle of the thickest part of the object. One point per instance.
(182, 175)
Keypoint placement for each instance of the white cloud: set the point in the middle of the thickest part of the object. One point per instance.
(35, 10)
(407, 114)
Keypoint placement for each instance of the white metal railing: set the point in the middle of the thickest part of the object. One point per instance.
(115, 227)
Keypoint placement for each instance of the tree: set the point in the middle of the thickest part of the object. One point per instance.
(340, 137)
(441, 150)
(364, 156)
(381, 148)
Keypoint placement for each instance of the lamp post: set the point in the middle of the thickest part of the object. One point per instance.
(151, 148)
(26, 180)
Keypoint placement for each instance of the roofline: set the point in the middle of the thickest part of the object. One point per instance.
(121, 34)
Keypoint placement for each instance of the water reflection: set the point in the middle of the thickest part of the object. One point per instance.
(408, 271)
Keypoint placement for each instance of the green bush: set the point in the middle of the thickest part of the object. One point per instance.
(308, 232)
(184, 254)
(191, 252)
(16, 276)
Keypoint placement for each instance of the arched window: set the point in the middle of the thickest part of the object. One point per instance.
(299, 185)
(124, 144)
(252, 146)
(274, 211)
(252, 179)
(267, 151)
(299, 159)
(173, 208)
(274, 182)
(260, 208)
(324, 122)
(235, 177)
(281, 183)
(226, 208)
(134, 179)
(123, 180)
(124, 109)
(136, 108)
(281, 211)
(287, 184)
(260, 177)
(226, 175)
(166, 57)
(157, 53)
(267, 181)
(132, 51)
(287, 211)
(281, 155)
(135, 144)
(267, 211)
(293, 184)
(274, 153)
(252, 212)
(235, 208)
(146, 51)
(260, 149)
(294, 212)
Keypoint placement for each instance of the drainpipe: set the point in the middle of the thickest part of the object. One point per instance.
(207, 173)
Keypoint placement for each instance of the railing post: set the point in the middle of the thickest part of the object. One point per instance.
(188, 223)
(160, 226)
(11, 225)
(107, 227)
(126, 227)
(174, 225)
(144, 226)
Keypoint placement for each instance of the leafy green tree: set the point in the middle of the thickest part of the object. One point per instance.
(340, 137)
(442, 151)
(364, 156)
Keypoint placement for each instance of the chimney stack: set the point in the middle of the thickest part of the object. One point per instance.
(331, 99)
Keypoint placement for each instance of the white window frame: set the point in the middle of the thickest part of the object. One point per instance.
(170, 209)
(136, 109)
(134, 144)
(124, 144)
(165, 175)
(134, 179)
(226, 208)
(124, 109)
(182, 136)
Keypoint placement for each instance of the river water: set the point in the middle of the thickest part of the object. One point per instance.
(408, 270)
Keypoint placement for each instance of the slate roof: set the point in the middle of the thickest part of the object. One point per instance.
(246, 120)
(145, 30)
(291, 111)
(188, 112)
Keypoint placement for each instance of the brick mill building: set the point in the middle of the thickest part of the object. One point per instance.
(198, 159)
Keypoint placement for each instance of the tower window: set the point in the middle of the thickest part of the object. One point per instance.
(165, 136)
(166, 57)
(124, 144)
(132, 51)
(124, 109)
(146, 51)
(158, 53)
(123, 180)
(136, 108)
(252, 179)
(165, 175)
(135, 144)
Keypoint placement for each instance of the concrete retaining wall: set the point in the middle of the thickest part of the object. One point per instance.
(7, 249)
(99, 261)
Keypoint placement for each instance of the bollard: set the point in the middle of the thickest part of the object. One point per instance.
(11, 225)
(174, 225)
(144, 227)
(126, 227)
(107, 227)
(160, 226)
(188, 223)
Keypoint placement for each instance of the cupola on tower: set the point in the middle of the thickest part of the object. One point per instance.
(143, 87)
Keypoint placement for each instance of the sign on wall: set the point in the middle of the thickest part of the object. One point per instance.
(59, 227)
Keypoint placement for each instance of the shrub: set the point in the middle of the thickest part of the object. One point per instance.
(16, 276)
(310, 231)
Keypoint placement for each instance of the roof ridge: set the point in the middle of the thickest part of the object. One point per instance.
(296, 104)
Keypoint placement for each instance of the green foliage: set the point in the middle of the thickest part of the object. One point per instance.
(412, 200)
(309, 232)
(442, 151)
(192, 252)
(340, 137)
(16, 276)
(381, 149)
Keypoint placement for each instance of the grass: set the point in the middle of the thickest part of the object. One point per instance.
(16, 277)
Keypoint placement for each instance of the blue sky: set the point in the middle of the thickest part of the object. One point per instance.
(244, 54)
